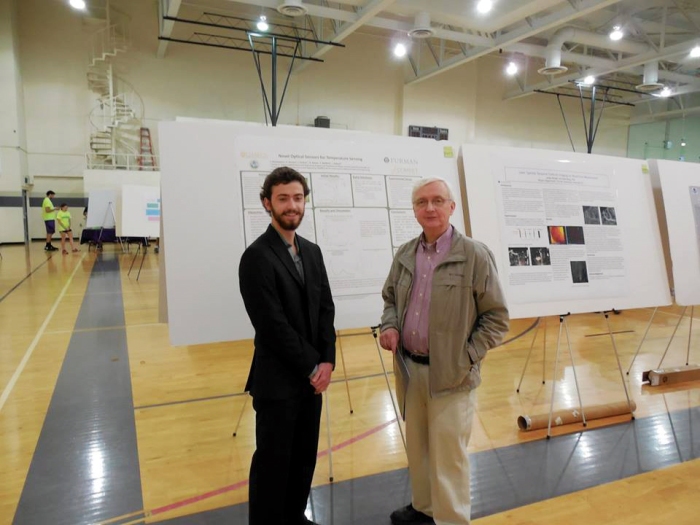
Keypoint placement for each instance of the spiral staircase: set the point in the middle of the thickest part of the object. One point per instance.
(116, 121)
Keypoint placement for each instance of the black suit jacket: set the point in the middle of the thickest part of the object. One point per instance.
(293, 320)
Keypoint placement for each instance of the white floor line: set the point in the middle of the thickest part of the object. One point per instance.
(13, 380)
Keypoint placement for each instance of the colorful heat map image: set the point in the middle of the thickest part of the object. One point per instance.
(557, 235)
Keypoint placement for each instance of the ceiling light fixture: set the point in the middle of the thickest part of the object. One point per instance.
(616, 33)
(262, 23)
(484, 6)
(665, 92)
(589, 80)
(683, 143)
(695, 52)
(400, 50)
(77, 4)
(512, 68)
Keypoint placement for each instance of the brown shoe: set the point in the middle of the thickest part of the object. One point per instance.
(409, 516)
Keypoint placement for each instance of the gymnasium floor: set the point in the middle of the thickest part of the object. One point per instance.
(102, 421)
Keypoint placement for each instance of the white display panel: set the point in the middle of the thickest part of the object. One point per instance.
(217, 169)
(102, 209)
(139, 212)
(569, 231)
(680, 186)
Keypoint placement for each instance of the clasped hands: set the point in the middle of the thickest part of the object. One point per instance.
(322, 378)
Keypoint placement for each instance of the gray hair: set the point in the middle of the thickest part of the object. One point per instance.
(429, 180)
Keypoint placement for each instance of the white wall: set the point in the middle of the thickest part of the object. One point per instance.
(360, 87)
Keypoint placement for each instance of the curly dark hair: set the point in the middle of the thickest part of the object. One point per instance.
(283, 175)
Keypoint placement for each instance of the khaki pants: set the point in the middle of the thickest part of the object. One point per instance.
(437, 433)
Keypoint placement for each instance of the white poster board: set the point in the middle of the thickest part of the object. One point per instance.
(102, 209)
(569, 231)
(680, 186)
(230, 162)
(139, 212)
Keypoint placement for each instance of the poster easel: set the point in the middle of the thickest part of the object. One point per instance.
(563, 326)
(110, 209)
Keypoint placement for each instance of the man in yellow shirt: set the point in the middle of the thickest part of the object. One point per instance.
(63, 220)
(48, 213)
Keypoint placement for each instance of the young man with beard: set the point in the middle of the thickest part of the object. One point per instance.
(286, 293)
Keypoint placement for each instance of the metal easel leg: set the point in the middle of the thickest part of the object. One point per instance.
(573, 367)
(690, 335)
(345, 370)
(388, 386)
(619, 366)
(554, 379)
(143, 258)
(240, 416)
(642, 341)
(328, 436)
(672, 336)
(133, 260)
(527, 360)
(544, 348)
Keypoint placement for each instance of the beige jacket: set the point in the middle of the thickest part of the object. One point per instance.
(468, 313)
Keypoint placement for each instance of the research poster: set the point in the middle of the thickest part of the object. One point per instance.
(359, 210)
(563, 237)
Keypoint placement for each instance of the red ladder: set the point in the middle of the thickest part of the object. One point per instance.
(146, 159)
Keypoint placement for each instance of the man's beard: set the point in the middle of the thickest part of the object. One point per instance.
(288, 222)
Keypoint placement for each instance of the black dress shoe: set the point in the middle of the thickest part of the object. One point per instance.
(409, 516)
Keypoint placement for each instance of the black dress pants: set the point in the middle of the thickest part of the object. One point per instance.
(286, 434)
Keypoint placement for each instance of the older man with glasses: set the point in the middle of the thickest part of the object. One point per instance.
(443, 310)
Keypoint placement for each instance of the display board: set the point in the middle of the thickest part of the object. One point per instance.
(680, 186)
(570, 232)
(359, 212)
(102, 209)
(139, 212)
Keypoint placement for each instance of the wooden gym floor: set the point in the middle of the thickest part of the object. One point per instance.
(102, 421)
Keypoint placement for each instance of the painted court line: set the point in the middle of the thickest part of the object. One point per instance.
(25, 278)
(243, 483)
(239, 394)
(13, 380)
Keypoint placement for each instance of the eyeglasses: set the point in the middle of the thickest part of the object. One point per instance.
(437, 202)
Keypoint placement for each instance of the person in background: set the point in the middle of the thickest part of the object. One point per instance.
(443, 310)
(63, 219)
(285, 289)
(48, 214)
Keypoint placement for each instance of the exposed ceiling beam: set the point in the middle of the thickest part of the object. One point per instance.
(614, 65)
(166, 8)
(365, 14)
(569, 12)
(375, 21)
(533, 50)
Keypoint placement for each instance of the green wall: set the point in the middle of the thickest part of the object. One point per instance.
(649, 141)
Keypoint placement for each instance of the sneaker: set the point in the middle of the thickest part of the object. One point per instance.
(409, 516)
(65, 252)
(47, 248)
(75, 250)
(53, 249)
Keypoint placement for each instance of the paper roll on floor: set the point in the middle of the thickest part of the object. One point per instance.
(573, 415)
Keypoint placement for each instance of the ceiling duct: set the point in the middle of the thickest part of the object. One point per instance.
(552, 64)
(651, 78)
(571, 34)
(292, 8)
(421, 26)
